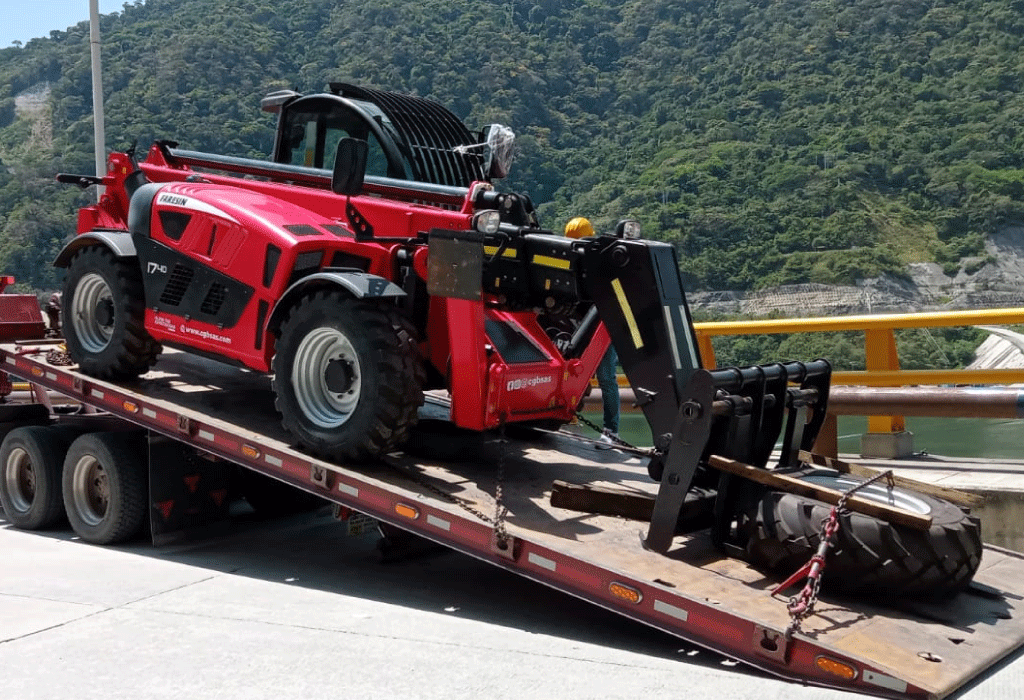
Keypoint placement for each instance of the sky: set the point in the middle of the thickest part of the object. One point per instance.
(33, 19)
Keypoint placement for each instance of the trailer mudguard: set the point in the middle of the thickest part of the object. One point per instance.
(119, 242)
(361, 285)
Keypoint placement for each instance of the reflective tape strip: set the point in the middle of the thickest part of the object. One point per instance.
(348, 490)
(883, 681)
(438, 523)
(97, 393)
(542, 562)
(271, 459)
(149, 413)
(11, 361)
(206, 435)
(51, 376)
(694, 361)
(672, 336)
(671, 610)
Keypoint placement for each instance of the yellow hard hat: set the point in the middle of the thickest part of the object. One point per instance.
(578, 228)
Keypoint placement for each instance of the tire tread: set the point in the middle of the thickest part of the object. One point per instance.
(869, 556)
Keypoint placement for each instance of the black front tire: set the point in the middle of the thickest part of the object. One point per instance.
(102, 315)
(869, 556)
(31, 461)
(105, 489)
(348, 377)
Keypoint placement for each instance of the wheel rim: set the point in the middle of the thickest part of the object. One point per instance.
(316, 352)
(91, 490)
(877, 492)
(92, 290)
(20, 478)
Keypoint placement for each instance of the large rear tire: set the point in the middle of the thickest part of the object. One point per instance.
(105, 491)
(348, 377)
(31, 460)
(102, 314)
(869, 556)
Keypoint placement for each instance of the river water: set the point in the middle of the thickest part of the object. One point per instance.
(954, 437)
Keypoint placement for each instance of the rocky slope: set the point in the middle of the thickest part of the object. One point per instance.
(998, 283)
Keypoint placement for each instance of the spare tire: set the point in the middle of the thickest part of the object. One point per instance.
(869, 556)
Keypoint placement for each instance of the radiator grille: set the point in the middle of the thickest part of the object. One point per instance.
(177, 285)
(214, 299)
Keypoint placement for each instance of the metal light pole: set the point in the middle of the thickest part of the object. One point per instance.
(97, 93)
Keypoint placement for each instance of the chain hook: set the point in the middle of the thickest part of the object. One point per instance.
(802, 605)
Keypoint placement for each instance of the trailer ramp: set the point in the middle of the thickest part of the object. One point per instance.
(896, 648)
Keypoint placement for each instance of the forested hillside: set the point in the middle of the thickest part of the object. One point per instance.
(775, 141)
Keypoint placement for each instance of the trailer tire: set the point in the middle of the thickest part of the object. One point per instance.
(348, 376)
(869, 556)
(105, 490)
(31, 460)
(102, 316)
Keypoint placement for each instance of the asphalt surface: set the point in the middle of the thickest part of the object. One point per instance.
(295, 608)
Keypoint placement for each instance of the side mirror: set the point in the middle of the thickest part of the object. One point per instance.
(349, 166)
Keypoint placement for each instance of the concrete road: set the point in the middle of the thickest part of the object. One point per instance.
(295, 608)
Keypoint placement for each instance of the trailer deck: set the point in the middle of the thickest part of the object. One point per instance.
(906, 649)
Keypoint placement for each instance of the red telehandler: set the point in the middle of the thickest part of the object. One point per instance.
(373, 259)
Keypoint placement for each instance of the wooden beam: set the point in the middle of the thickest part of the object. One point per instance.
(789, 484)
(696, 512)
(960, 498)
(588, 498)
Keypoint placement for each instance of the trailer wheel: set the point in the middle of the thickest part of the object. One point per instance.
(348, 376)
(30, 488)
(105, 492)
(869, 556)
(102, 316)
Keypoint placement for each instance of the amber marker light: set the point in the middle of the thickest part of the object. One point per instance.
(407, 511)
(130, 406)
(836, 668)
(36, 372)
(624, 592)
(250, 451)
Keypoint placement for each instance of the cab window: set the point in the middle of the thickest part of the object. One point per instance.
(312, 136)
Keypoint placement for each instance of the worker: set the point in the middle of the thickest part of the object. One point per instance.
(607, 381)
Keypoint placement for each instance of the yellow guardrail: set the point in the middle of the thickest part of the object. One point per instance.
(881, 357)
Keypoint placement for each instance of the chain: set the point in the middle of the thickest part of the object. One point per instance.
(500, 509)
(59, 356)
(444, 495)
(599, 430)
(802, 605)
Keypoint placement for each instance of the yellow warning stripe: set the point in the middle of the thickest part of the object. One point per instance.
(509, 252)
(627, 312)
(548, 261)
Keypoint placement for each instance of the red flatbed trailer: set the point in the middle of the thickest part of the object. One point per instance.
(916, 650)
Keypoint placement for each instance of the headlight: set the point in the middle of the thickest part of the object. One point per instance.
(627, 228)
(487, 221)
